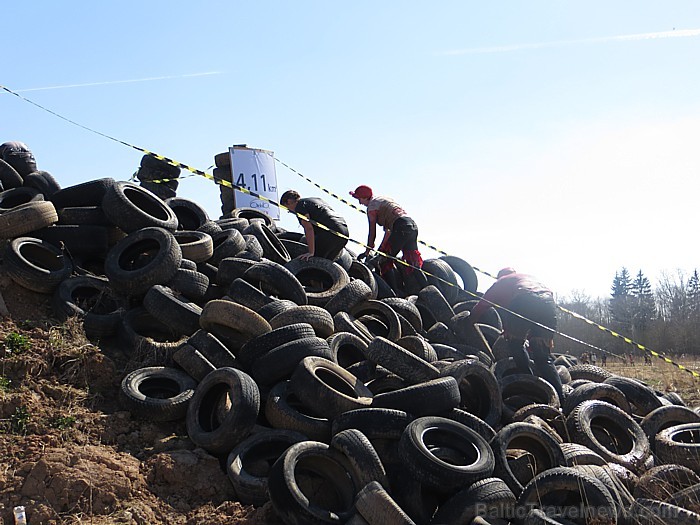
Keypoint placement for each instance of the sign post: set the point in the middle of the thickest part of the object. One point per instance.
(254, 169)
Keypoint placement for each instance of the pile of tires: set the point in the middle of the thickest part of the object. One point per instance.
(334, 395)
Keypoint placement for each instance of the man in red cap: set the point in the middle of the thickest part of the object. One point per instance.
(537, 318)
(400, 231)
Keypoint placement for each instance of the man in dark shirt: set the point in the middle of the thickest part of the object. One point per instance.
(320, 242)
(19, 156)
(523, 295)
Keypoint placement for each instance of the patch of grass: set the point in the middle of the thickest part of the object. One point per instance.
(16, 343)
(63, 422)
(19, 420)
(5, 384)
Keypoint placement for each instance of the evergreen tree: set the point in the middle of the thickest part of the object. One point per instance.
(619, 304)
(643, 309)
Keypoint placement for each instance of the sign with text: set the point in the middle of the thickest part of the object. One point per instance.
(254, 169)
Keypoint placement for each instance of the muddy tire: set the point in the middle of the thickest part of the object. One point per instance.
(205, 428)
(679, 444)
(157, 393)
(375, 504)
(283, 410)
(26, 218)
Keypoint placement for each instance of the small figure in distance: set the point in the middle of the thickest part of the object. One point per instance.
(19, 156)
(523, 295)
(604, 359)
(400, 231)
(594, 359)
(320, 243)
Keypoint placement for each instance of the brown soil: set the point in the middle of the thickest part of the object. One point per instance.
(68, 451)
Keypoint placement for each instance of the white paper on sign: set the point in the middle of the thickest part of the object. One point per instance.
(254, 169)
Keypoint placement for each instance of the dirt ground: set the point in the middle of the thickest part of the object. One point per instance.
(68, 451)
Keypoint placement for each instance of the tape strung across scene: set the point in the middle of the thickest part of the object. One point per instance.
(229, 184)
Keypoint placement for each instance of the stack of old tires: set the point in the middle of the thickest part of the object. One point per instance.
(335, 396)
(158, 176)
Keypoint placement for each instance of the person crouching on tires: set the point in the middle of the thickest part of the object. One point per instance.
(400, 231)
(523, 295)
(320, 242)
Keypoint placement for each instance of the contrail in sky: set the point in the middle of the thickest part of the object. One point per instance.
(540, 45)
(110, 82)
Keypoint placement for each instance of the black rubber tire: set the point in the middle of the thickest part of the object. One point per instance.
(309, 485)
(276, 280)
(664, 417)
(592, 421)
(432, 298)
(250, 461)
(88, 193)
(271, 246)
(190, 283)
(151, 162)
(487, 497)
(445, 454)
(36, 265)
(346, 349)
(251, 214)
(688, 498)
(253, 250)
(239, 224)
(480, 392)
(244, 293)
(235, 316)
(91, 299)
(362, 272)
(679, 444)
(195, 245)
(374, 423)
(12, 198)
(375, 504)
(157, 393)
(232, 268)
(141, 259)
(205, 427)
(593, 501)
(209, 227)
(148, 337)
(226, 243)
(576, 454)
(27, 218)
(131, 208)
(80, 215)
(78, 241)
(518, 390)
(190, 215)
(327, 389)
(400, 361)
(361, 455)
(477, 424)
(316, 316)
(599, 391)
(661, 482)
(173, 309)
(551, 415)
(384, 312)
(279, 363)
(261, 345)
(407, 309)
(331, 276)
(590, 372)
(283, 410)
(465, 271)
(641, 397)
(213, 349)
(349, 296)
(43, 182)
(443, 278)
(431, 397)
(650, 512)
(9, 178)
(418, 346)
(531, 438)
(383, 288)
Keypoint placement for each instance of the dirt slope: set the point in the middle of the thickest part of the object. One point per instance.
(70, 454)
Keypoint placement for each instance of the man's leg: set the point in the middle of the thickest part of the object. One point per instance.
(544, 364)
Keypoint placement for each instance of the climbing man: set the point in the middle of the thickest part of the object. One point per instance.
(400, 231)
(536, 320)
(320, 242)
(19, 156)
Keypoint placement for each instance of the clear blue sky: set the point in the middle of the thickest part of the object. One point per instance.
(560, 138)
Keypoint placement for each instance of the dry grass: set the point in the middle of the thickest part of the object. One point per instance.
(663, 376)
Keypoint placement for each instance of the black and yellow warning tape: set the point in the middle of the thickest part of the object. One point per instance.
(229, 184)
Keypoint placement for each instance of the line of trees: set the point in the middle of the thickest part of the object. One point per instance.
(665, 319)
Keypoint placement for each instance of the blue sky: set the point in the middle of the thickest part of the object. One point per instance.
(556, 137)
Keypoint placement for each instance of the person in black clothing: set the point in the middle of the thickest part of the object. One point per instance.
(320, 242)
(19, 156)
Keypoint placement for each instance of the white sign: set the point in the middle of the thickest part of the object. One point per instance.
(254, 169)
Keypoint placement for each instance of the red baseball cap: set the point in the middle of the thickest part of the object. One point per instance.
(362, 192)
